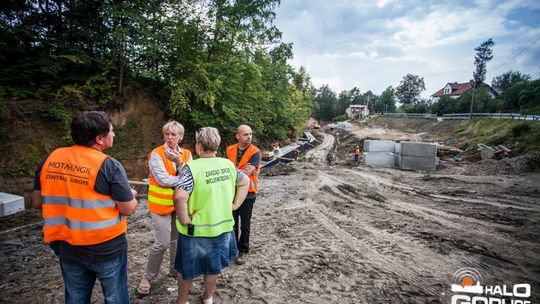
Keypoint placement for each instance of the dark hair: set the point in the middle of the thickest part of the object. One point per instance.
(87, 125)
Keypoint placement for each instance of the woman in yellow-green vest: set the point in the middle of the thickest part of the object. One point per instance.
(210, 188)
(163, 162)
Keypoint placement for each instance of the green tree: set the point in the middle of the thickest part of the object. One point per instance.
(326, 98)
(421, 107)
(409, 89)
(356, 96)
(503, 82)
(484, 54)
(444, 105)
(343, 102)
(387, 101)
(303, 98)
(222, 62)
(529, 98)
(370, 99)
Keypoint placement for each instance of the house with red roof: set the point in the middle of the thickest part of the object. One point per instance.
(455, 90)
(355, 109)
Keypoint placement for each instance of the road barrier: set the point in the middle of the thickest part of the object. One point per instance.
(516, 116)
(411, 115)
(290, 152)
(464, 116)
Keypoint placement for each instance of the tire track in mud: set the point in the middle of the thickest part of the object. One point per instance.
(320, 153)
(417, 210)
(478, 246)
(304, 260)
(383, 252)
(312, 241)
(392, 251)
(430, 208)
(318, 264)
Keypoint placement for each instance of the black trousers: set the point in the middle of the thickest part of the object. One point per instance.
(244, 214)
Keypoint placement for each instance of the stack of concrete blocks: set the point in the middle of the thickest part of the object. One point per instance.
(417, 156)
(380, 153)
(10, 204)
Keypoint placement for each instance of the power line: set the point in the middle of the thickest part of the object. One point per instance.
(519, 51)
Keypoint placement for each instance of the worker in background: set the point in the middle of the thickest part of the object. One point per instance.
(246, 157)
(163, 163)
(356, 153)
(209, 190)
(276, 148)
(85, 197)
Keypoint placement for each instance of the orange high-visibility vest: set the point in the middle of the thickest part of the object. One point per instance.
(254, 179)
(160, 199)
(72, 210)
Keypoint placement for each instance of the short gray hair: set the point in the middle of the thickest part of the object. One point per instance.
(208, 138)
(175, 126)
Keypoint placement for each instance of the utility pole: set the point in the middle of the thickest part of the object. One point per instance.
(473, 84)
(367, 104)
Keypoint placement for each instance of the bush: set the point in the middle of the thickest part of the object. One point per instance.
(341, 117)
(520, 129)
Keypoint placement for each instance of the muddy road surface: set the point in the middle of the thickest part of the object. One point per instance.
(334, 234)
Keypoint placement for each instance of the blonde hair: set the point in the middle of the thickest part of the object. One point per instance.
(175, 126)
(208, 138)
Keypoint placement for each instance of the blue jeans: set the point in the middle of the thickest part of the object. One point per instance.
(79, 279)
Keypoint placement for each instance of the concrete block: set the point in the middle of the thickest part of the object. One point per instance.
(418, 149)
(10, 203)
(486, 152)
(397, 148)
(417, 163)
(380, 159)
(379, 146)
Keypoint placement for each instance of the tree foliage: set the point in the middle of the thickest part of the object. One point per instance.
(409, 89)
(223, 62)
(386, 102)
(484, 54)
(503, 82)
(327, 100)
(343, 102)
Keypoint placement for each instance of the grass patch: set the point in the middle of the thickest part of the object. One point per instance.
(518, 135)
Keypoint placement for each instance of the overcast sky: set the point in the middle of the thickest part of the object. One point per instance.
(372, 44)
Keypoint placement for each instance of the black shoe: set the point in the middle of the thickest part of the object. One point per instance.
(241, 259)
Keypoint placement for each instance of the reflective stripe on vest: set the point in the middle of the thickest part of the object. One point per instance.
(214, 181)
(80, 225)
(78, 203)
(251, 150)
(72, 210)
(160, 199)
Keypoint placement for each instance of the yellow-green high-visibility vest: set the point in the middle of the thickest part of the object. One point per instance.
(214, 186)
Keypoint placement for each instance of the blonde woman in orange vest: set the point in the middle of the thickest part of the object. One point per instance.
(85, 197)
(246, 157)
(163, 162)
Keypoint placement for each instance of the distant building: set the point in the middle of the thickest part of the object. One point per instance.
(455, 90)
(352, 110)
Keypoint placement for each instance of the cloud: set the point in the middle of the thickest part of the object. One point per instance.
(373, 44)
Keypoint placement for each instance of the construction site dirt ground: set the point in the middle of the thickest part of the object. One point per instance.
(328, 230)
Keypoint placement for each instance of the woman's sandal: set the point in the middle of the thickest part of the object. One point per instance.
(144, 287)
